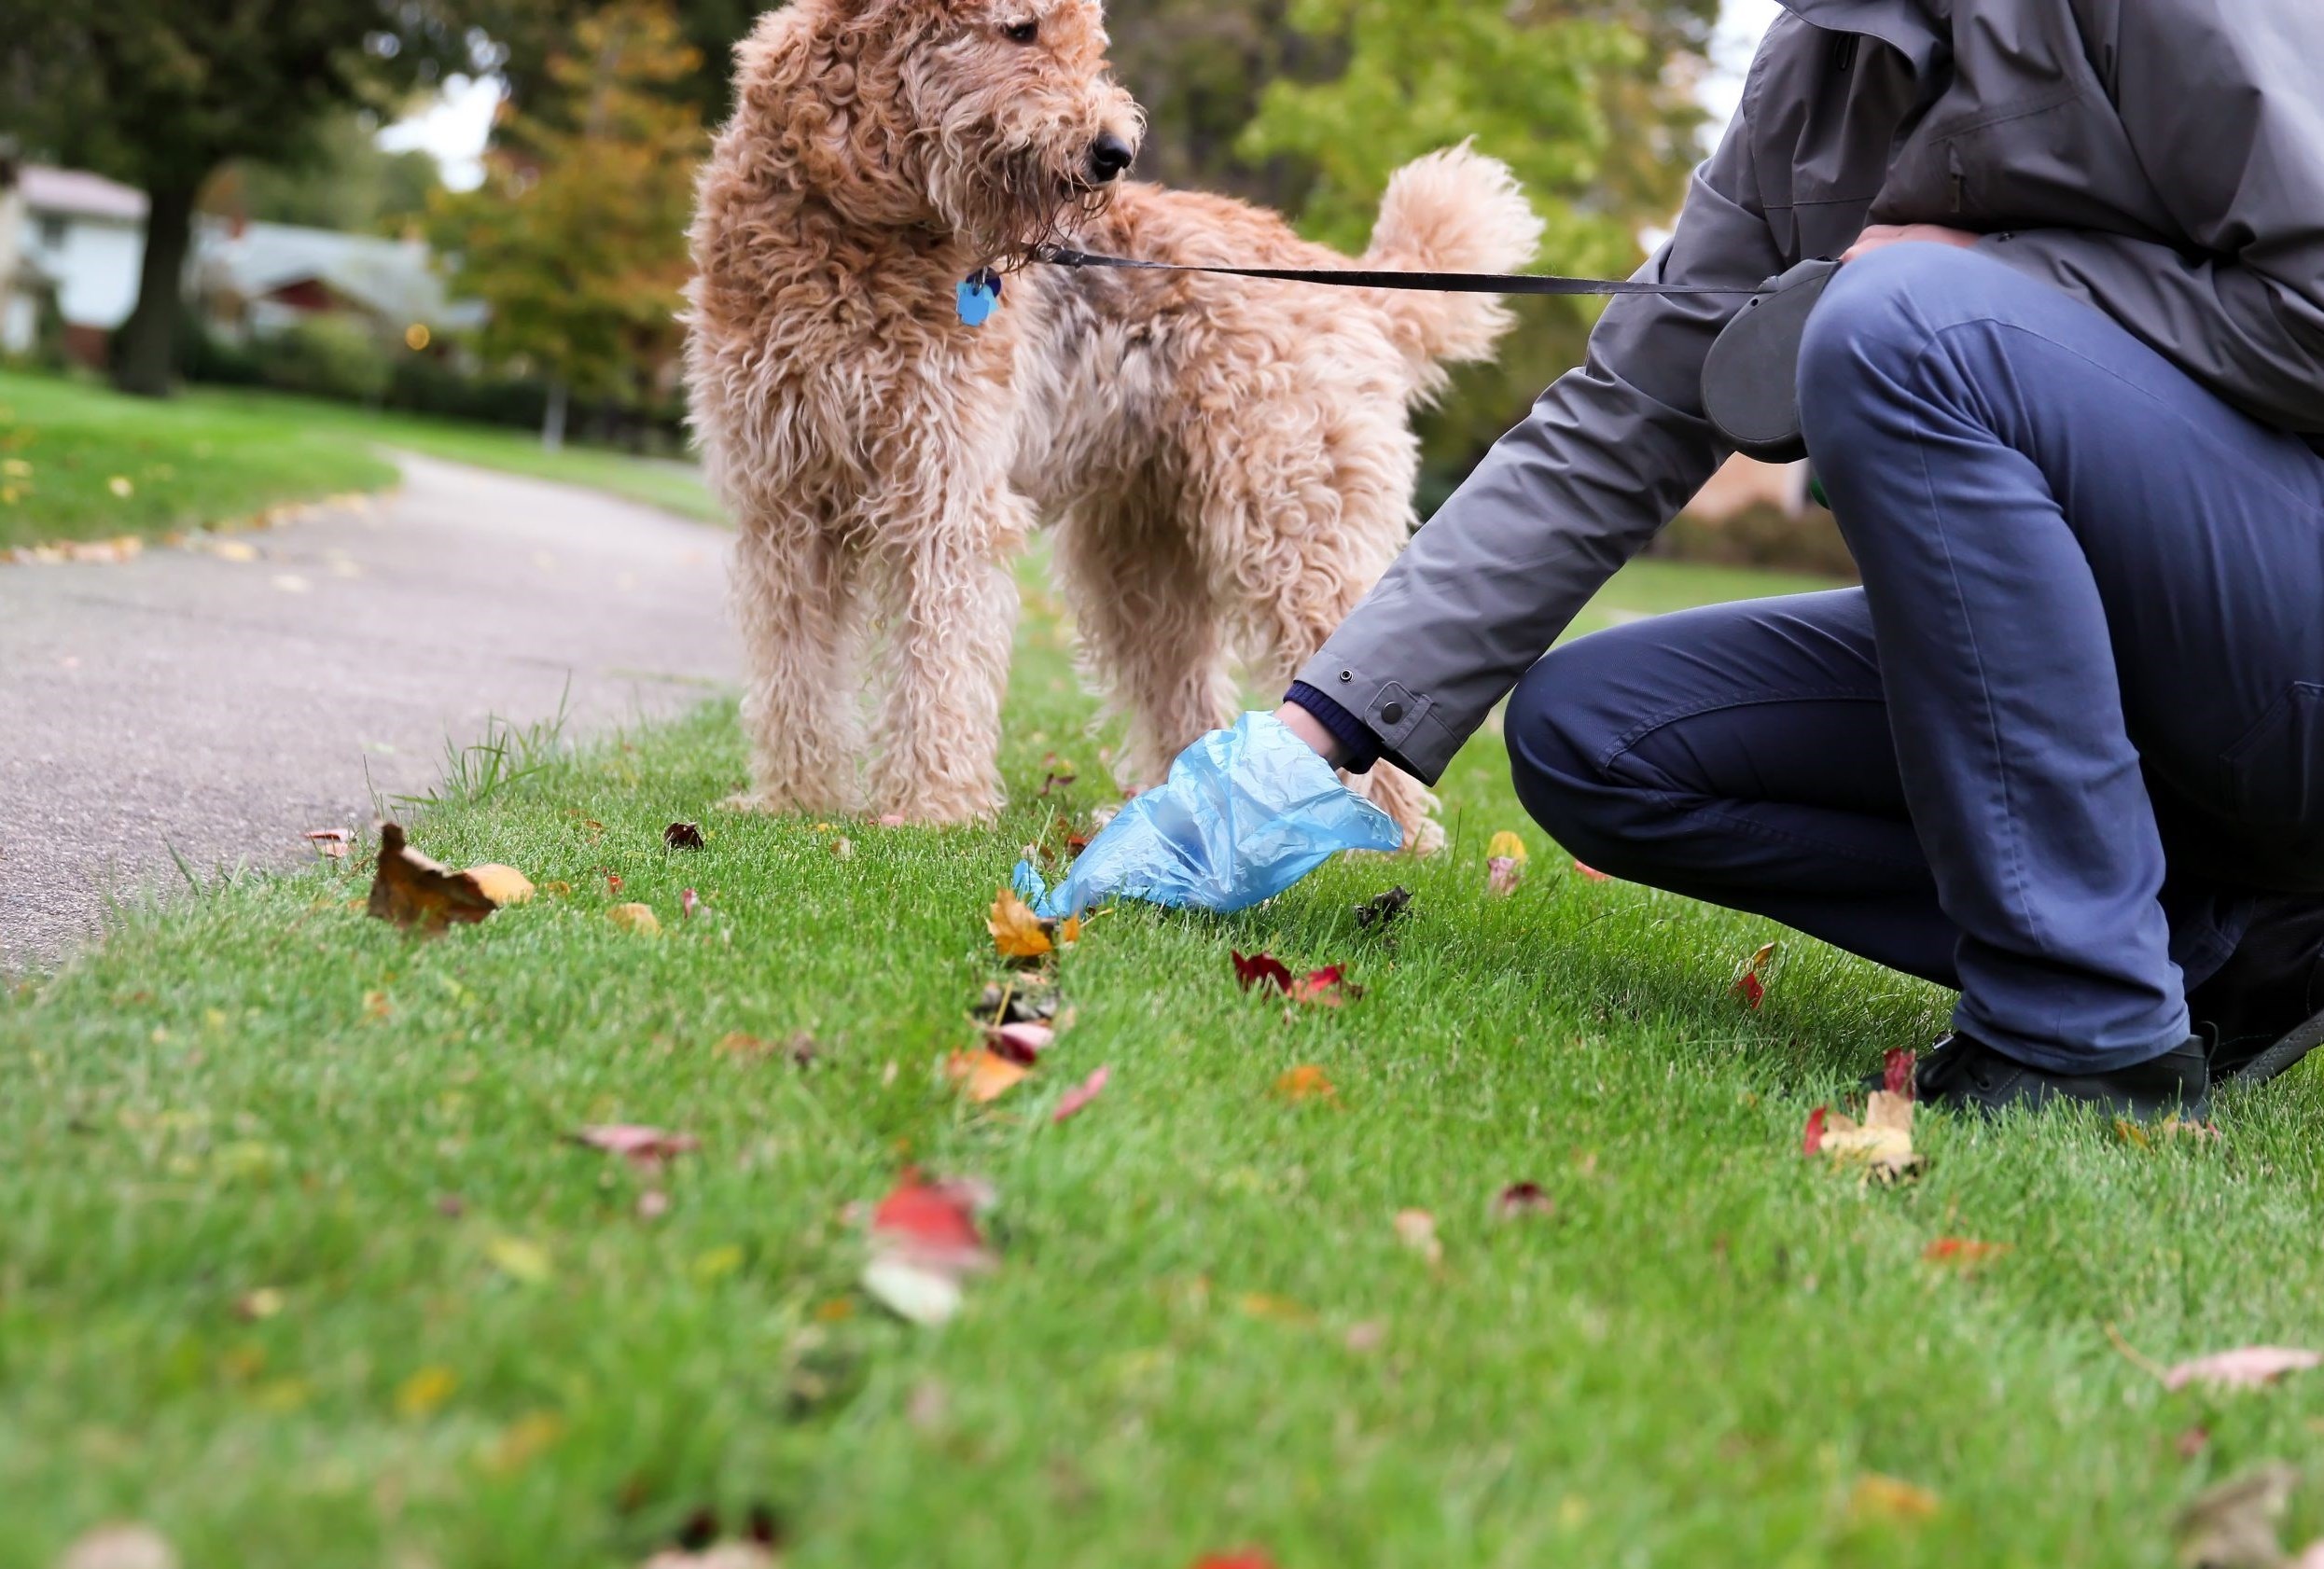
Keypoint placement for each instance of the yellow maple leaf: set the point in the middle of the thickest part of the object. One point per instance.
(1881, 1144)
(1016, 931)
(1506, 846)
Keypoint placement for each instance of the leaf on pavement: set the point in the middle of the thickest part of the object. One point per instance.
(1262, 969)
(1306, 1082)
(983, 1076)
(638, 918)
(1080, 1094)
(642, 1146)
(1016, 931)
(2245, 1368)
(411, 889)
(503, 886)
(2233, 1526)
(683, 836)
(1881, 1144)
(1751, 985)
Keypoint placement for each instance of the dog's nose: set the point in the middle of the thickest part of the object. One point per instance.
(1109, 157)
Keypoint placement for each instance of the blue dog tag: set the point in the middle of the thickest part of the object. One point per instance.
(979, 295)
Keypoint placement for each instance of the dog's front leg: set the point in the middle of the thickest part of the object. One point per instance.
(793, 594)
(950, 612)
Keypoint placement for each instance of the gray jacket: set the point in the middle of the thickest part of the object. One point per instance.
(2162, 158)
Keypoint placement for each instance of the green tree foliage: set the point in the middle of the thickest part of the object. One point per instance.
(1592, 105)
(162, 93)
(343, 180)
(577, 238)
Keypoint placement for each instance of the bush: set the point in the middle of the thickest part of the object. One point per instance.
(326, 356)
(1761, 537)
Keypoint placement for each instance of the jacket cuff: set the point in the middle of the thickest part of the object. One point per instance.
(1359, 747)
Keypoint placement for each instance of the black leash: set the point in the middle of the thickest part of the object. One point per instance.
(1439, 283)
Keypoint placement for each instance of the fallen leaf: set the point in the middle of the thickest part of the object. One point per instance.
(1812, 1142)
(1962, 1252)
(1382, 909)
(717, 1555)
(653, 1204)
(1262, 969)
(714, 1264)
(924, 1242)
(638, 918)
(120, 487)
(503, 886)
(1522, 1199)
(422, 1392)
(683, 836)
(1417, 1231)
(1896, 1071)
(1878, 1497)
(1751, 985)
(843, 848)
(411, 890)
(613, 882)
(1593, 873)
(913, 1291)
(686, 901)
(1502, 875)
(264, 1302)
(2233, 1526)
(330, 844)
(1069, 931)
(1323, 988)
(1080, 1094)
(1881, 1144)
(1020, 1043)
(1016, 931)
(984, 1077)
(1280, 1309)
(119, 1547)
(1306, 1082)
(519, 1259)
(1245, 1557)
(642, 1146)
(2245, 1368)
(1506, 846)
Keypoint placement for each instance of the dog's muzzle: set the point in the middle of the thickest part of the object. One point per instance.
(1110, 158)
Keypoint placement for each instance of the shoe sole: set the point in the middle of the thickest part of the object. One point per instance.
(2283, 1056)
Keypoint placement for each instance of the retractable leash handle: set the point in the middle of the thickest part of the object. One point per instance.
(1751, 375)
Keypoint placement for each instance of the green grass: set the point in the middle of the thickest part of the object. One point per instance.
(214, 456)
(1695, 1361)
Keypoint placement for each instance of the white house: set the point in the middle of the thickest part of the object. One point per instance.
(85, 237)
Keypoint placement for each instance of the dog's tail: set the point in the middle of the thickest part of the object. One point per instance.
(1453, 211)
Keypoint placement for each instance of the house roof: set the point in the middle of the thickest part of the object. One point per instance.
(78, 193)
(391, 278)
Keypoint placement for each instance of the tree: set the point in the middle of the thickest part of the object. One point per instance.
(1592, 105)
(577, 238)
(162, 93)
(344, 181)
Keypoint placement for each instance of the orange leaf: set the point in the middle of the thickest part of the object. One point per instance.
(1963, 1252)
(1306, 1082)
(984, 1077)
(1016, 931)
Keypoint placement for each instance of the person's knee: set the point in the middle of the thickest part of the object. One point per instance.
(1560, 739)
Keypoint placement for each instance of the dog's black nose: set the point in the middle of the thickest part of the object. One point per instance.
(1109, 157)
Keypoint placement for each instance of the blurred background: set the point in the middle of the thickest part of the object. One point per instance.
(473, 210)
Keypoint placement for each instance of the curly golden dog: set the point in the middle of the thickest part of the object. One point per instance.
(1227, 464)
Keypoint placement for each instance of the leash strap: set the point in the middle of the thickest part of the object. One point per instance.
(1439, 283)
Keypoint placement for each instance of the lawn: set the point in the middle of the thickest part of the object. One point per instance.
(301, 1267)
(80, 462)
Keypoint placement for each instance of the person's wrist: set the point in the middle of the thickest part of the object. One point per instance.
(1311, 729)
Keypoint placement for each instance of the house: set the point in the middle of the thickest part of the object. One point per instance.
(1743, 483)
(79, 239)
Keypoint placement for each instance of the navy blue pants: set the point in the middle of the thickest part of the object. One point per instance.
(2071, 722)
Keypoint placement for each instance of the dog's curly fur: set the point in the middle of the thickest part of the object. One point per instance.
(1227, 463)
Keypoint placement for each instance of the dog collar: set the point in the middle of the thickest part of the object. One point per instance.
(979, 295)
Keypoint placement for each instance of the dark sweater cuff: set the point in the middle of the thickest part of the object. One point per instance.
(1360, 748)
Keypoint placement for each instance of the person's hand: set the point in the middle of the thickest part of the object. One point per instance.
(1883, 234)
(1244, 814)
(1311, 729)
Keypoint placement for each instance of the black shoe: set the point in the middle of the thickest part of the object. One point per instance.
(1962, 1073)
(2264, 1009)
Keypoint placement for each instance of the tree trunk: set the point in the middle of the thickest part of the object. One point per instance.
(144, 357)
(553, 421)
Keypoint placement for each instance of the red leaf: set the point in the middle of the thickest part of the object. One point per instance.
(1967, 1252)
(1593, 873)
(1262, 969)
(1895, 1076)
(1022, 1043)
(1523, 1198)
(1813, 1140)
(1080, 1094)
(1752, 989)
(935, 1215)
(1324, 988)
(1249, 1558)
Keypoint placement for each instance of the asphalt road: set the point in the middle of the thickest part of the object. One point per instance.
(224, 706)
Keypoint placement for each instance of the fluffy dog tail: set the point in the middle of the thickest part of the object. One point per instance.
(1453, 211)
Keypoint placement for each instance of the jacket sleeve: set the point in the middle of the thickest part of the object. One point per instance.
(1606, 457)
(2220, 102)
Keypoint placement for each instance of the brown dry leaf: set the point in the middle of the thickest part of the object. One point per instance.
(1881, 1144)
(2245, 1368)
(411, 890)
(1306, 1082)
(1417, 1231)
(1016, 931)
(638, 918)
(2233, 1526)
(1875, 1496)
(1522, 1199)
(984, 1077)
(503, 886)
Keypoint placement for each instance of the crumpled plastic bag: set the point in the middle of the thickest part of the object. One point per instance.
(1244, 814)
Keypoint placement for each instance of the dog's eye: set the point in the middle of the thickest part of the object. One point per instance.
(1021, 31)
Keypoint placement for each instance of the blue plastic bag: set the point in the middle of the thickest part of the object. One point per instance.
(1244, 814)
